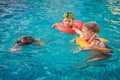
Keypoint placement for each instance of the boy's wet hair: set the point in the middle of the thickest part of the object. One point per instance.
(26, 40)
(92, 26)
(68, 15)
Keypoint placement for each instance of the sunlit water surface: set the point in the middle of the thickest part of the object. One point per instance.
(55, 60)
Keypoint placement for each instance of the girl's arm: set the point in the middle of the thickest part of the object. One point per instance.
(92, 45)
(77, 31)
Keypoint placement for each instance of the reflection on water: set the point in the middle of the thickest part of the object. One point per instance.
(55, 60)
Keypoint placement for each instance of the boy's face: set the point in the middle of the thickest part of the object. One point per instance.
(87, 34)
(68, 21)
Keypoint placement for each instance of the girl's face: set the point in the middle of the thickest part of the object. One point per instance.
(87, 34)
(68, 21)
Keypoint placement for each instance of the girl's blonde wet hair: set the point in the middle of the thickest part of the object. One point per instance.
(92, 26)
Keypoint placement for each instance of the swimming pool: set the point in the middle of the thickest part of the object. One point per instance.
(55, 60)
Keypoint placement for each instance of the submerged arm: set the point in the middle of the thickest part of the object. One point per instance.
(38, 43)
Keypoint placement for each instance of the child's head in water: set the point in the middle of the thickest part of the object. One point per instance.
(26, 40)
(68, 19)
(89, 30)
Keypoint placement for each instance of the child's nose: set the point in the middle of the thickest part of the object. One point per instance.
(67, 22)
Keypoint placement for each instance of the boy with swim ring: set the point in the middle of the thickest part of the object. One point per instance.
(68, 23)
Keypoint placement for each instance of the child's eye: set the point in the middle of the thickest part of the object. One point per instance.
(83, 32)
(65, 21)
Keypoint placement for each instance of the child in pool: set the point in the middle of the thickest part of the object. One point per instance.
(25, 41)
(89, 33)
(68, 20)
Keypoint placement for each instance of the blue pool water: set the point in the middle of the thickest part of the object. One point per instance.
(55, 60)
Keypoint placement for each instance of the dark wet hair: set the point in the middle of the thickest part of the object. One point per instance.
(26, 40)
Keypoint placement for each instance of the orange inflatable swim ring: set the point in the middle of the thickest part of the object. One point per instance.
(76, 23)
